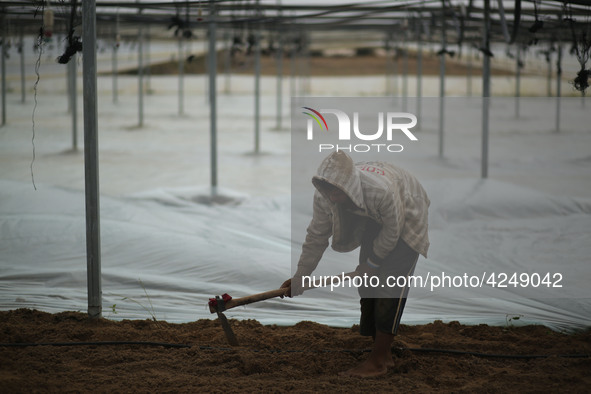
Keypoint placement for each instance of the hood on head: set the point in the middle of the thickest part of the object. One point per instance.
(339, 170)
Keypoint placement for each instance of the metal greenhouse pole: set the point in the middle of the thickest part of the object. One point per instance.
(306, 88)
(485, 88)
(517, 80)
(257, 86)
(227, 61)
(405, 73)
(257, 98)
(279, 87)
(93, 248)
(395, 76)
(68, 77)
(72, 73)
(114, 61)
(442, 81)
(148, 40)
(558, 80)
(549, 72)
(419, 70)
(140, 75)
(212, 67)
(3, 61)
(292, 68)
(22, 62)
(469, 73)
(181, 76)
(388, 79)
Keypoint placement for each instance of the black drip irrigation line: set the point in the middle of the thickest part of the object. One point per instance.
(103, 343)
(213, 348)
(492, 355)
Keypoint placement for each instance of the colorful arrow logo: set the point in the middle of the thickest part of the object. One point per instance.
(316, 118)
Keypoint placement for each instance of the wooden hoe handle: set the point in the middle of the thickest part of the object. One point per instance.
(234, 302)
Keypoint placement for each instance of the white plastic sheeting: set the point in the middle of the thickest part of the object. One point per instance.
(166, 248)
(163, 250)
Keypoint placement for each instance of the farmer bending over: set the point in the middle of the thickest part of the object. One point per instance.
(382, 209)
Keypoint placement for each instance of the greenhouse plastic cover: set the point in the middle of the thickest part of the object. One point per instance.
(167, 246)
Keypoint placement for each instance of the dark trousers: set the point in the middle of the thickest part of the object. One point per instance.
(382, 306)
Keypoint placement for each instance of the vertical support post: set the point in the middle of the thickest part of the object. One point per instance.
(257, 84)
(181, 77)
(419, 70)
(469, 73)
(212, 68)
(206, 65)
(140, 75)
(279, 119)
(93, 248)
(3, 64)
(518, 81)
(395, 90)
(485, 89)
(292, 68)
(22, 62)
(114, 61)
(279, 115)
(405, 74)
(72, 68)
(549, 74)
(558, 90)
(68, 76)
(442, 80)
(148, 61)
(306, 67)
(388, 84)
(228, 42)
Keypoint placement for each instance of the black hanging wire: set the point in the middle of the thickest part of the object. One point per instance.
(581, 48)
(516, 20)
(43, 37)
(462, 21)
(187, 32)
(251, 37)
(74, 43)
(182, 26)
(538, 24)
(237, 30)
(444, 50)
(459, 24)
(176, 22)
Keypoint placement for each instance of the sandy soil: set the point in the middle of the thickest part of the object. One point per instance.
(302, 358)
(323, 66)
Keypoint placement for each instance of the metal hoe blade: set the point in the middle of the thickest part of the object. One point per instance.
(225, 324)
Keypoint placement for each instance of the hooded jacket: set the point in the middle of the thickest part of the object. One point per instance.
(380, 191)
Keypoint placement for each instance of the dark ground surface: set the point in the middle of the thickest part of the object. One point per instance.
(306, 357)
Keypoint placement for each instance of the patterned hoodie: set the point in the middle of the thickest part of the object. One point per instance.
(381, 191)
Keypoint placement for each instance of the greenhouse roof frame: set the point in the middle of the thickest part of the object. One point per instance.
(546, 20)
